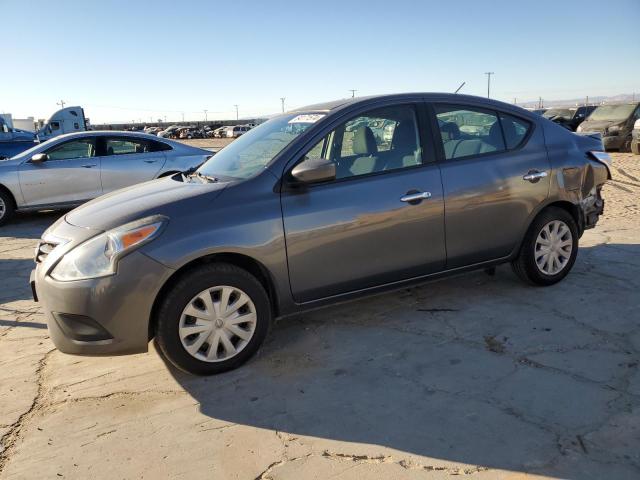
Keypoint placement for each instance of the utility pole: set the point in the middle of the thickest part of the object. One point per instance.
(205, 115)
(183, 117)
(237, 115)
(515, 101)
(61, 103)
(587, 102)
(353, 93)
(282, 99)
(488, 74)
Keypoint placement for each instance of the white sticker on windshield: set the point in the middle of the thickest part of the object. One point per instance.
(307, 118)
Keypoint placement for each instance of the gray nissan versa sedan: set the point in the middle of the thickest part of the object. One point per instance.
(315, 206)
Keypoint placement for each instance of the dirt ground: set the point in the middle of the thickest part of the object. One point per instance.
(475, 376)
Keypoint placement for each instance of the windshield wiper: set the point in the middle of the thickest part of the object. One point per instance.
(204, 176)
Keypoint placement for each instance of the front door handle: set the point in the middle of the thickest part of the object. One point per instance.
(150, 161)
(91, 165)
(415, 197)
(534, 176)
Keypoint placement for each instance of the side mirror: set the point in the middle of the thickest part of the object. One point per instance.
(314, 170)
(39, 158)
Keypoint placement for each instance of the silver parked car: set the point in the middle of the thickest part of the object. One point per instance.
(71, 169)
(311, 208)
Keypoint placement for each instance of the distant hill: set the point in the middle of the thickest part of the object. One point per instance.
(621, 98)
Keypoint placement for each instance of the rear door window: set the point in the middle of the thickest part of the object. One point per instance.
(125, 146)
(468, 131)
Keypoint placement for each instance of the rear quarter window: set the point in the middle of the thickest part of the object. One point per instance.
(515, 130)
(159, 146)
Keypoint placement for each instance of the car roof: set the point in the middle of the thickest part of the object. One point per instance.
(121, 133)
(111, 133)
(453, 98)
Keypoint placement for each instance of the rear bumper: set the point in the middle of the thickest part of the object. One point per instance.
(593, 207)
(104, 316)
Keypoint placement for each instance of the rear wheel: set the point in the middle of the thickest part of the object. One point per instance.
(213, 319)
(6, 207)
(549, 248)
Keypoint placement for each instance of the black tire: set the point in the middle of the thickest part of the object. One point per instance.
(184, 290)
(635, 147)
(626, 146)
(7, 207)
(525, 264)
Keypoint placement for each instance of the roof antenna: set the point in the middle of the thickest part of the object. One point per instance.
(461, 85)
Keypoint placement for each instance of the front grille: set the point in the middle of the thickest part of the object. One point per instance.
(43, 250)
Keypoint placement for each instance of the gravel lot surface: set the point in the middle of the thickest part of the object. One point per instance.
(474, 375)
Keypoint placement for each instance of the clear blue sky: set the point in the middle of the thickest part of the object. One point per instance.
(126, 60)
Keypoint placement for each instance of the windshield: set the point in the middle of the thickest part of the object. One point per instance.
(253, 151)
(612, 112)
(559, 112)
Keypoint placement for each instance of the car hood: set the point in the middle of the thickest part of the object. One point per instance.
(598, 125)
(165, 196)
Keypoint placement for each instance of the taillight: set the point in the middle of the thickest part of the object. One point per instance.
(604, 158)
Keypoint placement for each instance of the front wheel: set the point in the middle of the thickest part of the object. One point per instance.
(549, 249)
(6, 207)
(213, 319)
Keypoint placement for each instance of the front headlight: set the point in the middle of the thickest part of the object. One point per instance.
(98, 257)
(613, 130)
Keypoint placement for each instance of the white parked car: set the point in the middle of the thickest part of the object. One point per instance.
(70, 169)
(235, 132)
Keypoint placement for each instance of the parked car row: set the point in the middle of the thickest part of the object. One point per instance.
(233, 131)
(614, 122)
(314, 206)
(189, 132)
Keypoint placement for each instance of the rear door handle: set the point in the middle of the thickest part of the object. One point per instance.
(534, 176)
(150, 161)
(416, 197)
(89, 165)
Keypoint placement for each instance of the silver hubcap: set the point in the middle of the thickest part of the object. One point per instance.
(217, 324)
(553, 247)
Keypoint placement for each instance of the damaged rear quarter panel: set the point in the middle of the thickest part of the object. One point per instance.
(576, 177)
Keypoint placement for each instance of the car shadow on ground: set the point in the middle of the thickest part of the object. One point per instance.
(473, 369)
(30, 224)
(14, 279)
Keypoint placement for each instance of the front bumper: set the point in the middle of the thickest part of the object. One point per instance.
(613, 143)
(103, 316)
